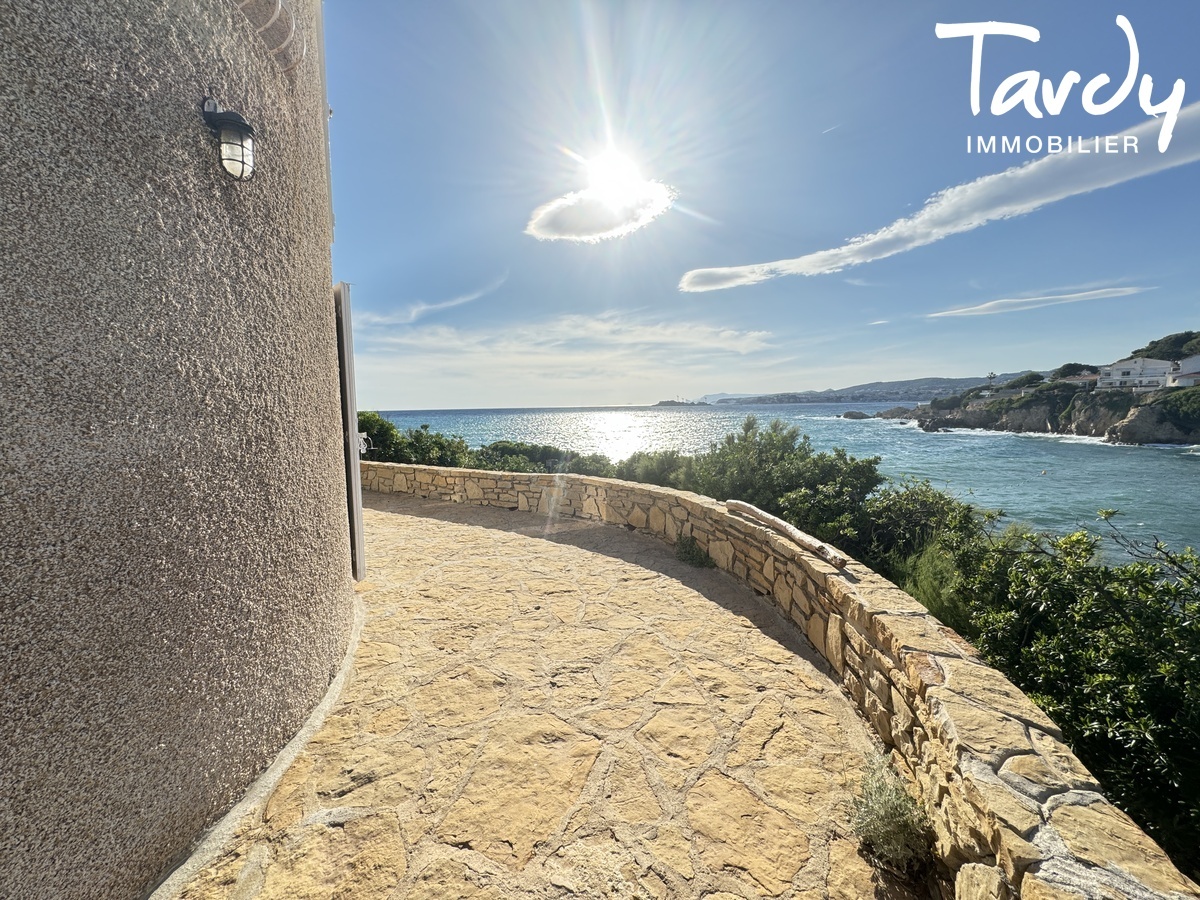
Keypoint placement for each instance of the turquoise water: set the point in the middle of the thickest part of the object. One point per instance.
(1157, 489)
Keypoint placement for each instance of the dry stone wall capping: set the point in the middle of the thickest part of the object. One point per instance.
(1014, 812)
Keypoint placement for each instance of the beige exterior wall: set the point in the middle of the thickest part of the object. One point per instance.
(1014, 812)
(174, 568)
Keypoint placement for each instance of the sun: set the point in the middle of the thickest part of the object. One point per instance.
(617, 201)
(614, 179)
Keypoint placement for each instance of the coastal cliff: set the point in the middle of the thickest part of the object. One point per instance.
(1116, 416)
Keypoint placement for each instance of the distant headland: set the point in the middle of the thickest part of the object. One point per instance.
(1150, 397)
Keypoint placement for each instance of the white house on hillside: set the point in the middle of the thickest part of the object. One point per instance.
(1138, 374)
(1141, 374)
(1186, 374)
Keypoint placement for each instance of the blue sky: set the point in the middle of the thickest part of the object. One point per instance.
(813, 160)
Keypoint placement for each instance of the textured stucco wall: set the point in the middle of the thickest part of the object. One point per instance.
(174, 567)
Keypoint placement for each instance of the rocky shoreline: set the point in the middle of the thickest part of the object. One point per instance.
(1116, 417)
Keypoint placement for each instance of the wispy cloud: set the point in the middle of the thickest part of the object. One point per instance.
(1013, 192)
(862, 282)
(1017, 304)
(878, 322)
(611, 357)
(609, 333)
(421, 308)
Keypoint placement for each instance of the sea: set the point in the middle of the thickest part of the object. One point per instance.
(1053, 483)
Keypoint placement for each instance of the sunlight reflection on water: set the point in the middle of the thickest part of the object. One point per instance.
(1157, 486)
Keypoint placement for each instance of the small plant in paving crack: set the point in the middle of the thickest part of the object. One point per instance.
(690, 552)
(892, 828)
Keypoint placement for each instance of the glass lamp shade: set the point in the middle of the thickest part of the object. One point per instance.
(235, 136)
(237, 152)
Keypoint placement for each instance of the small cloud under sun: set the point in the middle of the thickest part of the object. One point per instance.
(617, 201)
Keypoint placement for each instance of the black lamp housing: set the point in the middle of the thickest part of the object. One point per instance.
(236, 137)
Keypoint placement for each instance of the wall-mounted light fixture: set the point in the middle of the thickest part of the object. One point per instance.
(236, 137)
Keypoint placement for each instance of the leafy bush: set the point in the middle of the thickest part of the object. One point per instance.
(383, 437)
(417, 446)
(1070, 370)
(667, 468)
(593, 464)
(933, 580)
(517, 456)
(757, 466)
(888, 821)
(1029, 379)
(1173, 347)
(423, 447)
(688, 551)
(1182, 407)
(906, 516)
(828, 495)
(944, 403)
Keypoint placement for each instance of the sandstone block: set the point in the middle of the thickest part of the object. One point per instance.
(672, 848)
(680, 735)
(1099, 834)
(528, 776)
(980, 882)
(1034, 887)
(743, 837)
(721, 553)
(457, 698)
(990, 735)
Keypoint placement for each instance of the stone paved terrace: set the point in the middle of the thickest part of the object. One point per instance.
(559, 710)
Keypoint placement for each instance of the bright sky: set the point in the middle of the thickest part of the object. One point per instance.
(571, 203)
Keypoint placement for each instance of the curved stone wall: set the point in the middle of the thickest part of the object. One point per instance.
(1015, 813)
(175, 588)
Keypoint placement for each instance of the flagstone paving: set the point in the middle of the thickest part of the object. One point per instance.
(562, 710)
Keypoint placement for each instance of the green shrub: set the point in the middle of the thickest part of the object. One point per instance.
(904, 517)
(757, 466)
(933, 580)
(1029, 379)
(383, 438)
(1173, 347)
(422, 447)
(828, 495)
(688, 551)
(944, 403)
(667, 468)
(1070, 370)
(1182, 407)
(517, 456)
(596, 464)
(888, 821)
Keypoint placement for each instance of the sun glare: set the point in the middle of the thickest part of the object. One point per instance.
(617, 201)
(614, 179)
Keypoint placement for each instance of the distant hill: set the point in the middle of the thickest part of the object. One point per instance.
(721, 398)
(911, 391)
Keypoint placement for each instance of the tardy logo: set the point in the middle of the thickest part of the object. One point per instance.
(1021, 88)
